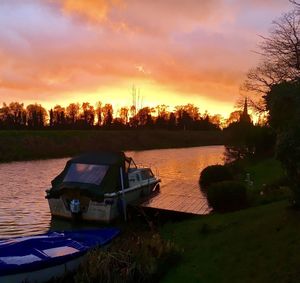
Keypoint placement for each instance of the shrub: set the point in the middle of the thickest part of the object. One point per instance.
(213, 174)
(227, 196)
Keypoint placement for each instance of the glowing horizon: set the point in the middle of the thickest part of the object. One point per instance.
(203, 103)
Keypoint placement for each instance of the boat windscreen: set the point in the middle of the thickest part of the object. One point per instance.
(86, 173)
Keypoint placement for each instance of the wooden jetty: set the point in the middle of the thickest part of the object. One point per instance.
(190, 204)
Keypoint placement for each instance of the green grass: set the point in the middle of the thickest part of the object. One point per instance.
(264, 172)
(28, 145)
(269, 181)
(260, 244)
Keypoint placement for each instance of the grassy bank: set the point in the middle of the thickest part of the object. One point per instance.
(27, 145)
(260, 244)
(268, 180)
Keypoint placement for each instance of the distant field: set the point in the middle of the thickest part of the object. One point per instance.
(27, 145)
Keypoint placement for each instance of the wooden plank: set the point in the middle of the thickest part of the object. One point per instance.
(194, 204)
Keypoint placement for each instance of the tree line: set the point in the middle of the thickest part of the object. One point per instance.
(86, 116)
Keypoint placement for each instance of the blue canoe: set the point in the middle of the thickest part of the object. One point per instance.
(42, 257)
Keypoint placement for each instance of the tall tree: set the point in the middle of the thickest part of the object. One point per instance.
(107, 111)
(98, 112)
(144, 117)
(58, 118)
(88, 114)
(51, 118)
(72, 112)
(217, 120)
(124, 113)
(5, 118)
(162, 116)
(36, 116)
(233, 117)
(13, 115)
(283, 104)
(186, 115)
(17, 112)
(280, 52)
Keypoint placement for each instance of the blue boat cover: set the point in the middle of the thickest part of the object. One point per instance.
(27, 254)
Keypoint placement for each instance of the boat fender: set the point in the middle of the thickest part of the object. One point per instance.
(75, 206)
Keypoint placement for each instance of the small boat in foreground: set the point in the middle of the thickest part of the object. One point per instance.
(98, 186)
(46, 256)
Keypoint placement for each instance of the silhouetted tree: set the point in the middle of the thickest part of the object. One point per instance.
(13, 116)
(186, 115)
(107, 111)
(118, 123)
(172, 121)
(58, 119)
(123, 113)
(144, 117)
(51, 117)
(132, 111)
(73, 116)
(233, 117)
(283, 104)
(280, 57)
(36, 116)
(4, 116)
(72, 113)
(204, 123)
(88, 114)
(161, 120)
(17, 110)
(217, 120)
(98, 112)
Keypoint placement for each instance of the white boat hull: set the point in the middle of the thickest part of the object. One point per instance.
(107, 210)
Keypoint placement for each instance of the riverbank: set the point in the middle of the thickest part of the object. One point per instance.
(30, 145)
(259, 244)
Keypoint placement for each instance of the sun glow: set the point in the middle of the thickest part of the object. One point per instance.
(147, 95)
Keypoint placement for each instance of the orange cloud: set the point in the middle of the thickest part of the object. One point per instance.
(95, 10)
(192, 49)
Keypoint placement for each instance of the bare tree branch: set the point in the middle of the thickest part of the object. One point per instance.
(295, 3)
(280, 52)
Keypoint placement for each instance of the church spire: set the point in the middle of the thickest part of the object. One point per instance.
(245, 112)
(245, 117)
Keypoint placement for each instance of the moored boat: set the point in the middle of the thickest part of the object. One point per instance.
(43, 257)
(98, 186)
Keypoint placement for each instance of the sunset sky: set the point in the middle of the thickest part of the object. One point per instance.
(174, 51)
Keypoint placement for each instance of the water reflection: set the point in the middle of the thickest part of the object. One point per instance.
(179, 169)
(24, 209)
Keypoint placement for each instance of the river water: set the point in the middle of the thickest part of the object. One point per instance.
(24, 209)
